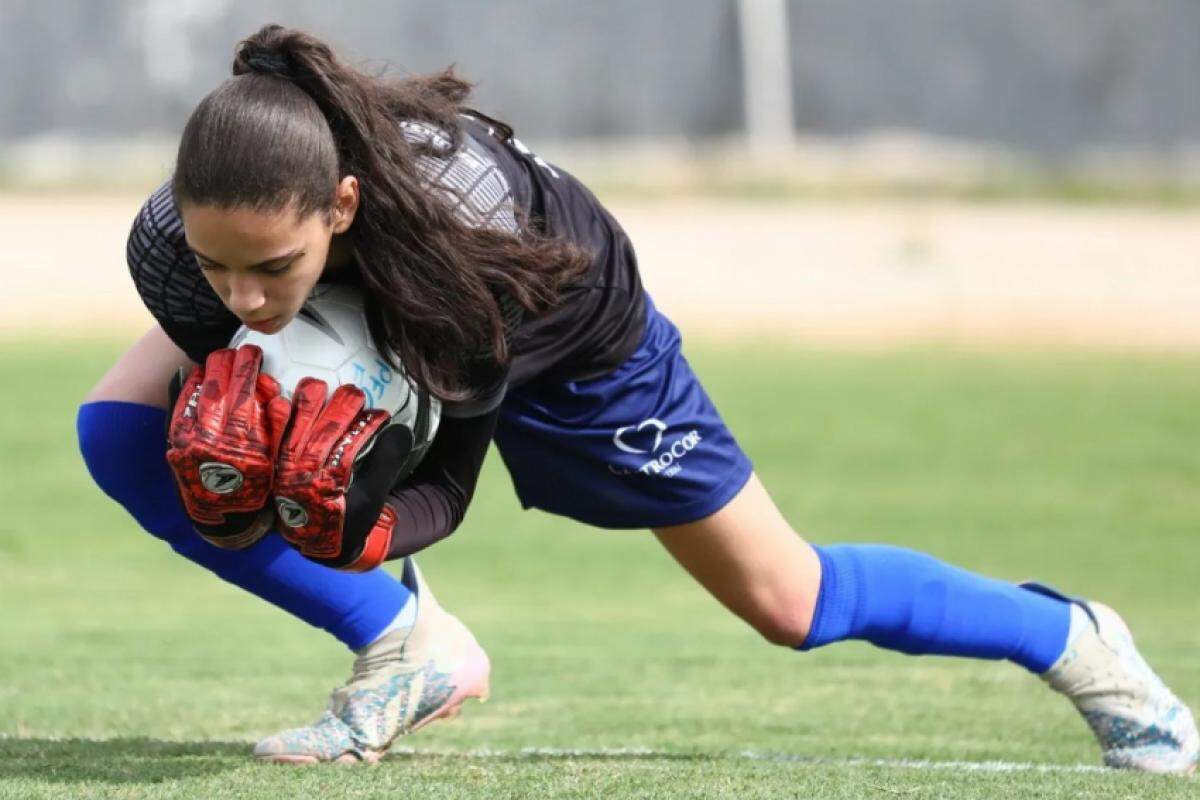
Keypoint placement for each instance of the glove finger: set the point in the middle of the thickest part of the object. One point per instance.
(266, 389)
(243, 387)
(307, 400)
(184, 396)
(358, 435)
(277, 414)
(335, 422)
(211, 406)
(269, 405)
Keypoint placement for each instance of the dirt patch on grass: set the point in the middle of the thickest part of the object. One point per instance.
(847, 274)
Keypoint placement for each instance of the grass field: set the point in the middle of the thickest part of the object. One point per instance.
(126, 672)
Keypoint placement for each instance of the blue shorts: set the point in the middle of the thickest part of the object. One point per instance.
(641, 447)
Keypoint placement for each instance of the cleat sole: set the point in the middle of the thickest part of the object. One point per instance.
(293, 760)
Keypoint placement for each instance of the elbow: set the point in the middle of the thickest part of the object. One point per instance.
(430, 519)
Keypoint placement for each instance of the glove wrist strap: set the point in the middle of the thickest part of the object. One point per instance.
(378, 543)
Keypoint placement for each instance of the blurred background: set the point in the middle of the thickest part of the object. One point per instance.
(959, 170)
(936, 261)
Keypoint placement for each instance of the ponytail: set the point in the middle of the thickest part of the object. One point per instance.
(294, 120)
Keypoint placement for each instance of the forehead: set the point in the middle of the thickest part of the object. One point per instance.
(243, 230)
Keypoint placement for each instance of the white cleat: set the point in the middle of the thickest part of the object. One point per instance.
(1139, 722)
(404, 681)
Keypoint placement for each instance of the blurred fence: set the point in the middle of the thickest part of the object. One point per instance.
(1046, 77)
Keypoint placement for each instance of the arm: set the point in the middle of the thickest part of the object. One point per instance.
(430, 505)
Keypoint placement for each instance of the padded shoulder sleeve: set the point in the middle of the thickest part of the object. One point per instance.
(471, 181)
(468, 179)
(168, 280)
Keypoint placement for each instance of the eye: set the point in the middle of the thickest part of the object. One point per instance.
(206, 266)
(278, 270)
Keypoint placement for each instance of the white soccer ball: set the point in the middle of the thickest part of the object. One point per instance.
(329, 339)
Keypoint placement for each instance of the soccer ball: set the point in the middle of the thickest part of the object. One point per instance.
(329, 340)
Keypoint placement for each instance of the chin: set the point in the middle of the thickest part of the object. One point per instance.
(269, 326)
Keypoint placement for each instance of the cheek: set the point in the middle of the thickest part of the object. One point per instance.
(221, 287)
(294, 289)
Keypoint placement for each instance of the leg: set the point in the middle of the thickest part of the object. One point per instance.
(413, 657)
(795, 594)
(142, 374)
(644, 447)
(121, 435)
(798, 595)
(749, 558)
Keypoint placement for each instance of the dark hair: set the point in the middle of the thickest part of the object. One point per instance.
(293, 121)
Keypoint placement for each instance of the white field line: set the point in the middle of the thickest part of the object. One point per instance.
(617, 753)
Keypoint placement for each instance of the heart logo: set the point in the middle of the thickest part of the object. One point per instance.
(625, 438)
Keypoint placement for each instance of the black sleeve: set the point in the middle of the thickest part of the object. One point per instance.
(433, 500)
(431, 503)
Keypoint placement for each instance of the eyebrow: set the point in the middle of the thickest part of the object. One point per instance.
(269, 262)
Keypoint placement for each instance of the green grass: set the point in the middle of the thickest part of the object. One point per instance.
(126, 672)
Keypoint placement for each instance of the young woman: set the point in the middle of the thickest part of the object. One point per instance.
(508, 292)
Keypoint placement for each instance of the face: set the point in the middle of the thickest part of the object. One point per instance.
(263, 264)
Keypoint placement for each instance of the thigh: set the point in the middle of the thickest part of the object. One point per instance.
(142, 374)
(749, 558)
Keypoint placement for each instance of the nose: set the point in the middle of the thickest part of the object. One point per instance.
(246, 295)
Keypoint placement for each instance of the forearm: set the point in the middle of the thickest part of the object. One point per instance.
(425, 514)
(432, 503)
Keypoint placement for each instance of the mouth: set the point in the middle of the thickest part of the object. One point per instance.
(269, 325)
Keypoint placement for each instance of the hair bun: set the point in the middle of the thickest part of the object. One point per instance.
(260, 59)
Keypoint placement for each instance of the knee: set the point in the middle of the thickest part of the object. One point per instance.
(783, 625)
(110, 431)
(97, 439)
(123, 447)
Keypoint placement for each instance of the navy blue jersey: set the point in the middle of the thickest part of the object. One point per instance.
(490, 182)
(602, 316)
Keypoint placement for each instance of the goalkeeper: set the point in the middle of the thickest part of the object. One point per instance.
(509, 293)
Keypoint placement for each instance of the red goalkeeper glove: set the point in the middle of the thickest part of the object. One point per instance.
(222, 441)
(337, 464)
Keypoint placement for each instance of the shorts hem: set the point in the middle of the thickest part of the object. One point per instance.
(720, 498)
(675, 515)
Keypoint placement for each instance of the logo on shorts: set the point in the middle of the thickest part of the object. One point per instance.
(655, 425)
(291, 513)
(647, 438)
(220, 478)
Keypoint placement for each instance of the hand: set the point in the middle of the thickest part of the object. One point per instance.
(336, 466)
(222, 441)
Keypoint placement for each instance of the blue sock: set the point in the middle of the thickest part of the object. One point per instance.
(124, 447)
(907, 601)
